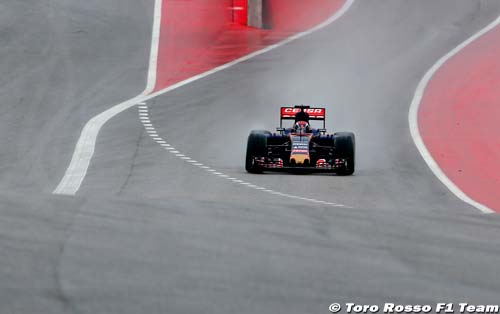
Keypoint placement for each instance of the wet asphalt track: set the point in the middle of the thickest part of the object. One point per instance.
(149, 233)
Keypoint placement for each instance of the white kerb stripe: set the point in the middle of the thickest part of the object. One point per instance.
(413, 120)
(85, 146)
(153, 53)
(84, 150)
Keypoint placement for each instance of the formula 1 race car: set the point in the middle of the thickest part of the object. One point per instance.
(301, 147)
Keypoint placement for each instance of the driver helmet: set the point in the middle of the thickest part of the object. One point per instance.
(301, 127)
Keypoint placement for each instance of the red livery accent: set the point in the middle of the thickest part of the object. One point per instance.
(321, 163)
(314, 113)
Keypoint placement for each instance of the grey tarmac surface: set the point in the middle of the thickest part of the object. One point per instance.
(149, 233)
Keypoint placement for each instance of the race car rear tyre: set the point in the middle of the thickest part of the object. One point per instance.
(256, 147)
(345, 147)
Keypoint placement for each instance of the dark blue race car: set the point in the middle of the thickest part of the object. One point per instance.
(301, 147)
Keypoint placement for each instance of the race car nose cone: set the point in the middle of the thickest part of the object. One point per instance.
(300, 159)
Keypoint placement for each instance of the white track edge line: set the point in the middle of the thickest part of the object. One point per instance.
(155, 43)
(332, 19)
(85, 147)
(413, 120)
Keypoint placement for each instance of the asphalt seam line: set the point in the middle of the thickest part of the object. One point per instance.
(85, 146)
(176, 153)
(413, 120)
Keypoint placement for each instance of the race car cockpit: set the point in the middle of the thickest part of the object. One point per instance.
(302, 127)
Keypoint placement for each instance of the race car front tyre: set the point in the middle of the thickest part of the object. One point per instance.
(256, 148)
(345, 147)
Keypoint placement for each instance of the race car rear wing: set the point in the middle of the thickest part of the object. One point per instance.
(289, 113)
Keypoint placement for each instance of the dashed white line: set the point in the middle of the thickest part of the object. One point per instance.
(85, 147)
